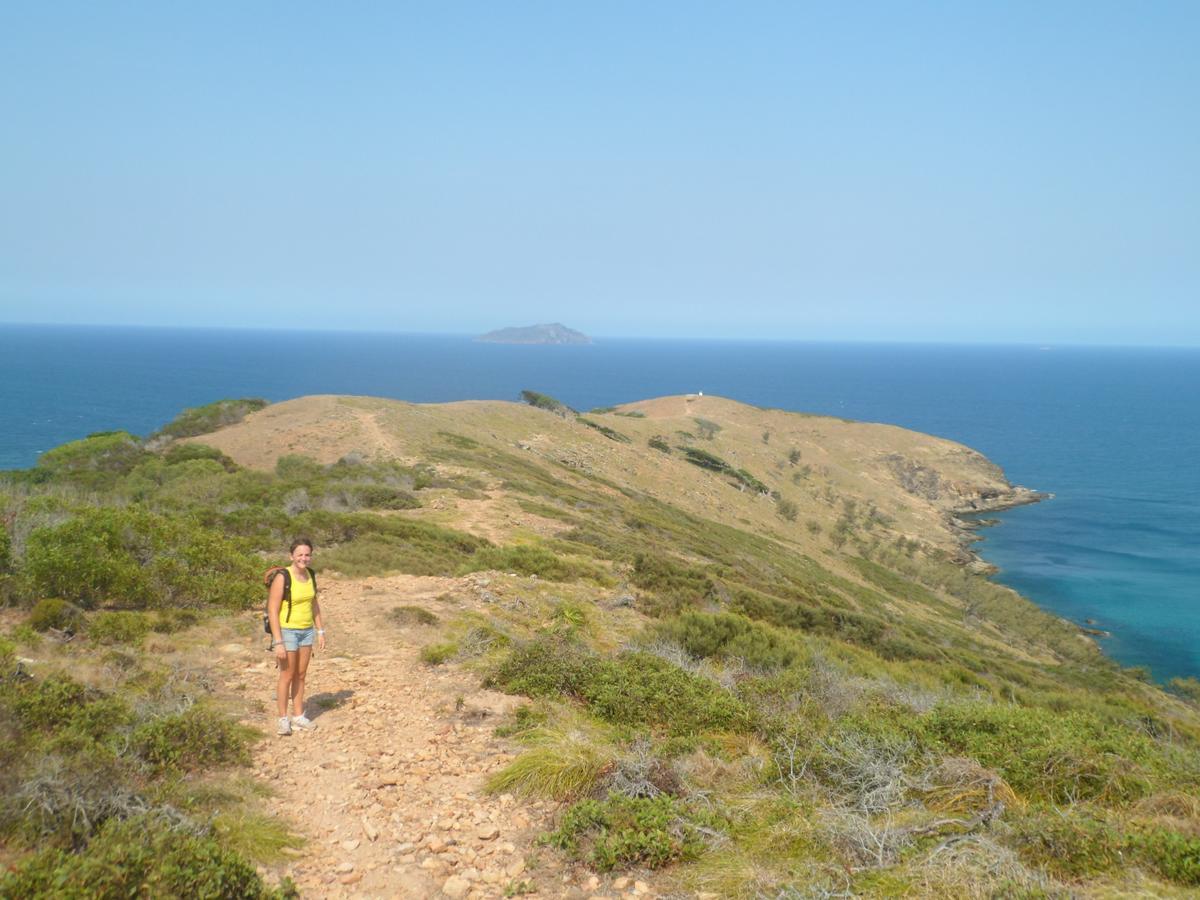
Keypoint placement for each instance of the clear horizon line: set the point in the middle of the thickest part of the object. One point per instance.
(1046, 344)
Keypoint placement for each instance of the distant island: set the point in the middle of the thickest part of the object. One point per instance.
(553, 333)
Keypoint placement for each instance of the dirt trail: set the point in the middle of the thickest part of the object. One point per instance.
(388, 787)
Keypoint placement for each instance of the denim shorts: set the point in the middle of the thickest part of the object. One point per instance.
(295, 638)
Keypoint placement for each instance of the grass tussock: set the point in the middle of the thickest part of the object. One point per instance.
(560, 762)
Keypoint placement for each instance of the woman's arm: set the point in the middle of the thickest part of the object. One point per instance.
(319, 622)
(274, 604)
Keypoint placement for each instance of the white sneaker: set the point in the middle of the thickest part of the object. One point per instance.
(284, 726)
(302, 721)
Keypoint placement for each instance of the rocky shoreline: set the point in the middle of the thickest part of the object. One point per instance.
(966, 530)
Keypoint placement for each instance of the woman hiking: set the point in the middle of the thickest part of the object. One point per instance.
(294, 626)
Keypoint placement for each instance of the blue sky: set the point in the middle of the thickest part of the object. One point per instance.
(871, 171)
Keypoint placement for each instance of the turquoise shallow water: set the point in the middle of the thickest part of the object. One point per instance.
(1114, 433)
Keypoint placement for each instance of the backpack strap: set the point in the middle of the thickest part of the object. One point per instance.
(287, 588)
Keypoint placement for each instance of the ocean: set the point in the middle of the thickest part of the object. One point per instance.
(1113, 433)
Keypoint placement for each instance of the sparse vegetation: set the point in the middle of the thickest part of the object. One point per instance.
(876, 719)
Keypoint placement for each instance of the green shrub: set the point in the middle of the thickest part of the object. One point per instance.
(6, 555)
(375, 545)
(123, 627)
(609, 433)
(198, 738)
(140, 857)
(706, 428)
(297, 469)
(705, 460)
(548, 403)
(54, 612)
(675, 585)
(1056, 756)
(382, 496)
(1069, 843)
(628, 831)
(57, 713)
(436, 654)
(208, 418)
(134, 558)
(730, 636)
(787, 509)
(1188, 688)
(531, 559)
(182, 453)
(96, 462)
(659, 443)
(631, 689)
(1173, 855)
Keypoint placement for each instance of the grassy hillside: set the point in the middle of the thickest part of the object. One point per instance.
(756, 649)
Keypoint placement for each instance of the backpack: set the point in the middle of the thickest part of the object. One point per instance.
(268, 578)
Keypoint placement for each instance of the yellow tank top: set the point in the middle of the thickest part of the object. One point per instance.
(302, 601)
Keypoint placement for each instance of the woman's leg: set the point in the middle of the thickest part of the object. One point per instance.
(301, 669)
(282, 687)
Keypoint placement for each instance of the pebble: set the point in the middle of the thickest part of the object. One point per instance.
(344, 868)
(456, 886)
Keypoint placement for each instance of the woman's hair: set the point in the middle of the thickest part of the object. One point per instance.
(300, 542)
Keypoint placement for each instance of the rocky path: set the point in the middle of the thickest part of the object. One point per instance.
(387, 789)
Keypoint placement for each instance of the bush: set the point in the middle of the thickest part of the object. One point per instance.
(198, 738)
(1174, 856)
(208, 418)
(377, 545)
(382, 496)
(436, 654)
(631, 689)
(609, 433)
(6, 556)
(182, 453)
(54, 612)
(118, 627)
(1060, 757)
(787, 509)
(1070, 843)
(548, 403)
(628, 831)
(134, 558)
(674, 584)
(659, 443)
(96, 462)
(530, 559)
(730, 636)
(1188, 688)
(140, 857)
